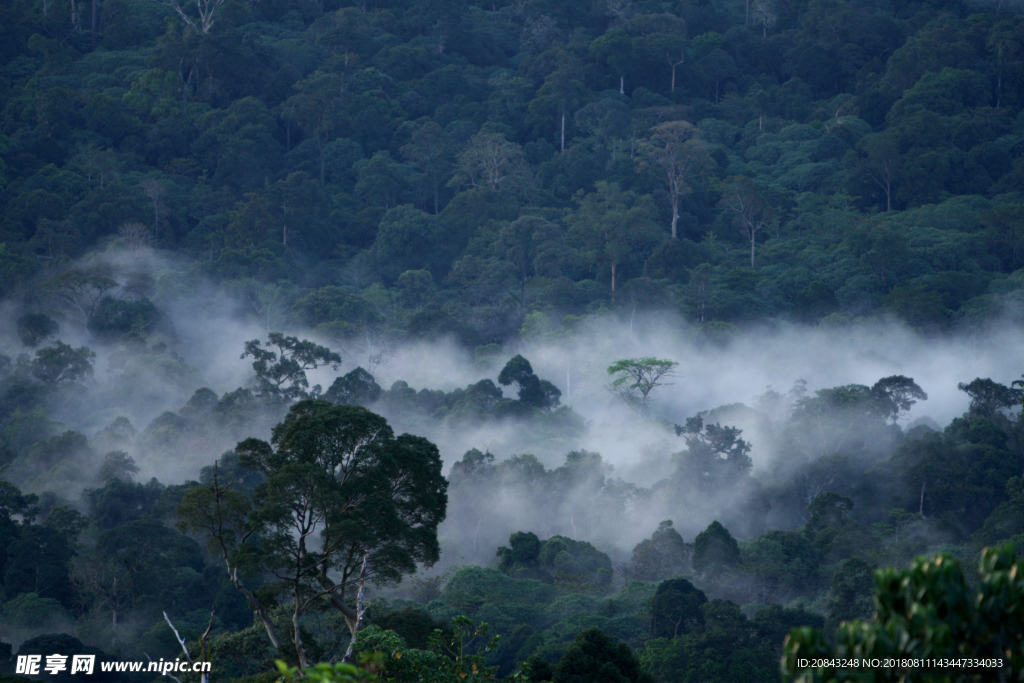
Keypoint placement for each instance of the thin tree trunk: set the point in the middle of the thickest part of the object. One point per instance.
(675, 215)
(563, 131)
(300, 651)
(622, 85)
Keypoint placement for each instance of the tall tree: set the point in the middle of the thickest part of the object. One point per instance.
(491, 161)
(675, 152)
(344, 502)
(613, 227)
(744, 198)
(282, 373)
(316, 108)
(640, 376)
(431, 150)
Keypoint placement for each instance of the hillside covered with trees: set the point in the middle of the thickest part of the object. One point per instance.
(273, 272)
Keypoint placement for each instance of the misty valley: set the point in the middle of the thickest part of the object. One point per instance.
(533, 341)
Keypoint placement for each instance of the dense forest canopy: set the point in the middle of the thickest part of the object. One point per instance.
(637, 334)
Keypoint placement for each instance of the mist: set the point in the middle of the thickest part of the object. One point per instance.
(205, 328)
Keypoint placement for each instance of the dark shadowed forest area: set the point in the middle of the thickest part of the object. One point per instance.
(534, 340)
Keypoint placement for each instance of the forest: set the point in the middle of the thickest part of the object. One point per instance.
(381, 341)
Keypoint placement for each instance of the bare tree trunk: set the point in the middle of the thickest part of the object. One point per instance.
(675, 215)
(563, 131)
(300, 651)
(622, 84)
(359, 611)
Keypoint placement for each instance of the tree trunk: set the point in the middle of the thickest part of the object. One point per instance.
(622, 85)
(300, 652)
(753, 243)
(613, 280)
(675, 215)
(563, 131)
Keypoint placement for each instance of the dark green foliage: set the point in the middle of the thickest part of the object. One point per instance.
(594, 655)
(37, 562)
(60, 364)
(33, 328)
(61, 643)
(676, 609)
(716, 458)
(558, 559)
(377, 496)
(329, 165)
(815, 301)
(849, 596)
(119, 465)
(663, 555)
(988, 397)
(533, 391)
(715, 549)
(355, 388)
(413, 625)
(728, 648)
(116, 318)
(119, 501)
(938, 613)
(282, 373)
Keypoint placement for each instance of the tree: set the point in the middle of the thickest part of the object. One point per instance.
(336, 472)
(595, 656)
(119, 465)
(205, 8)
(675, 609)
(988, 397)
(743, 197)
(675, 151)
(662, 555)
(562, 91)
(639, 376)
(283, 373)
(491, 161)
(431, 150)
(881, 162)
(533, 391)
(356, 388)
(316, 108)
(33, 328)
(81, 288)
(616, 49)
(899, 393)
(60, 364)
(923, 614)
(613, 227)
(37, 562)
(1005, 226)
(714, 549)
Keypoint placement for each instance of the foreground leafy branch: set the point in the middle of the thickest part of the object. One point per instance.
(923, 614)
